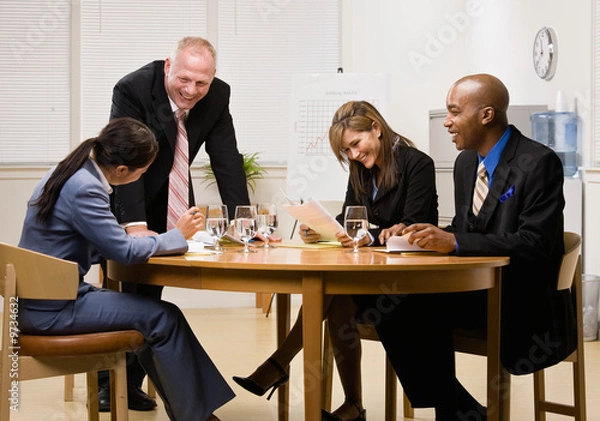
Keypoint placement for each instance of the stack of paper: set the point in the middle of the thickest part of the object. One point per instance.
(314, 215)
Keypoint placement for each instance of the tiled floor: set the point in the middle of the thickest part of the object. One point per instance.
(239, 339)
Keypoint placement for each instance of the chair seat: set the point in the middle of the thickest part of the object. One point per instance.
(80, 344)
(367, 332)
(471, 341)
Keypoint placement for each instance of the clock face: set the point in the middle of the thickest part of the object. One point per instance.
(545, 53)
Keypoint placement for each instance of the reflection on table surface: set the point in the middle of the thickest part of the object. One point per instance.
(289, 258)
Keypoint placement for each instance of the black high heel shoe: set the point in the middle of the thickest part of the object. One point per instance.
(252, 387)
(362, 413)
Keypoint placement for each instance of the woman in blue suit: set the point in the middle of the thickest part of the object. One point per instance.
(69, 217)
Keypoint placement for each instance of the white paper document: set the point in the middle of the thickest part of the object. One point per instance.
(196, 247)
(313, 214)
(204, 238)
(400, 244)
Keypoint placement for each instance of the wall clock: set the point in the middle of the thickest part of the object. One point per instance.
(545, 53)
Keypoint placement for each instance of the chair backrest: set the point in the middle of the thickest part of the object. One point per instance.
(39, 276)
(27, 274)
(569, 260)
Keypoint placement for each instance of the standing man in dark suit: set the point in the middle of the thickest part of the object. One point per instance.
(521, 217)
(152, 94)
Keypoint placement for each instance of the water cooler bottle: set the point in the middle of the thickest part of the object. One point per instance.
(558, 130)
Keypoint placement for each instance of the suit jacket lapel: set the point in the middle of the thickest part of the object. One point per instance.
(163, 111)
(194, 127)
(470, 173)
(501, 183)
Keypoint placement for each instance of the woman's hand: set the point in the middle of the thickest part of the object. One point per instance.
(346, 241)
(190, 222)
(307, 234)
(386, 233)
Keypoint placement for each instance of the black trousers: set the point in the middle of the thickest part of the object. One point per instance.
(416, 332)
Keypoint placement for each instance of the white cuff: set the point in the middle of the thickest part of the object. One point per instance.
(134, 224)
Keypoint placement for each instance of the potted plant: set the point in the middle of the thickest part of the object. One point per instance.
(253, 170)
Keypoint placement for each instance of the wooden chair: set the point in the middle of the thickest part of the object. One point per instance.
(570, 277)
(29, 275)
(474, 342)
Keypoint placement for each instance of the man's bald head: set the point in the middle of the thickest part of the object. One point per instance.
(484, 90)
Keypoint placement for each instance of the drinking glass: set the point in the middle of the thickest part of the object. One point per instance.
(266, 221)
(356, 224)
(216, 223)
(245, 224)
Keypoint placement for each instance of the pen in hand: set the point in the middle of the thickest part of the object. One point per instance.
(295, 223)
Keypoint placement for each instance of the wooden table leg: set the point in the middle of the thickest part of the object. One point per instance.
(493, 352)
(312, 317)
(262, 300)
(283, 327)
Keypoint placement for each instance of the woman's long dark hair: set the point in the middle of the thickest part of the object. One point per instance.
(123, 141)
(360, 116)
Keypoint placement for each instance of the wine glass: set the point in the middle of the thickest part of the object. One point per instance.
(266, 221)
(356, 224)
(216, 223)
(245, 224)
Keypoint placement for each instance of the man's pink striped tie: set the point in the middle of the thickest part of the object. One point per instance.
(178, 177)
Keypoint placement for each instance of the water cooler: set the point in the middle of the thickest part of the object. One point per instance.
(559, 131)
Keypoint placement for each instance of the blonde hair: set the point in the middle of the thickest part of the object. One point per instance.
(360, 116)
(198, 45)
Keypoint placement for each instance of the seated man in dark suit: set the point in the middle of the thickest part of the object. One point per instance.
(517, 211)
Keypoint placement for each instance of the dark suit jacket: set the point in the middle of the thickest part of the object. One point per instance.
(522, 217)
(412, 199)
(142, 95)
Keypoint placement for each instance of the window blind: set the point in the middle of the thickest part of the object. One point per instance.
(34, 69)
(261, 44)
(119, 37)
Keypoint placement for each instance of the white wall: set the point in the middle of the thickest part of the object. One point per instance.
(427, 46)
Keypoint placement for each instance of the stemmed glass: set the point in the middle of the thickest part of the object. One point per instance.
(245, 224)
(356, 224)
(267, 221)
(216, 223)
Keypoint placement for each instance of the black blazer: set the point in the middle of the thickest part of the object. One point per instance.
(412, 199)
(522, 217)
(142, 95)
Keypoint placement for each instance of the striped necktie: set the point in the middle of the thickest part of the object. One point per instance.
(178, 177)
(481, 188)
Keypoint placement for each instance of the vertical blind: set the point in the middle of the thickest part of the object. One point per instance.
(596, 85)
(260, 45)
(118, 37)
(34, 70)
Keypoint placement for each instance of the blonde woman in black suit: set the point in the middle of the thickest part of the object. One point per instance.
(396, 183)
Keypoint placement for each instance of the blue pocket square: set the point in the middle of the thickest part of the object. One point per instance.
(508, 194)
